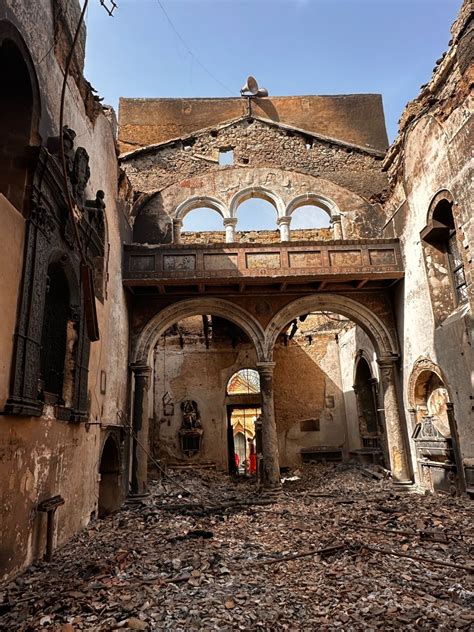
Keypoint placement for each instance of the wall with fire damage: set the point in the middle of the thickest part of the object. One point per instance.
(429, 161)
(309, 411)
(42, 456)
(268, 161)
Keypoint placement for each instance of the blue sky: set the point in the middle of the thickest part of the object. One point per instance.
(290, 46)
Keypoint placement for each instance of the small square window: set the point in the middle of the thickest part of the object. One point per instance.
(226, 157)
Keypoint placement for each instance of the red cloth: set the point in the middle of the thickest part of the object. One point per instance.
(237, 461)
(252, 463)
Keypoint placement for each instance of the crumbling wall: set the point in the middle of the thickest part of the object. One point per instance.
(431, 154)
(310, 410)
(43, 456)
(154, 212)
(255, 144)
(256, 236)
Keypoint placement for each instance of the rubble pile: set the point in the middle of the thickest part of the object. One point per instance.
(206, 552)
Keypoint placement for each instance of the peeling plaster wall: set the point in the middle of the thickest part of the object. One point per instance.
(433, 152)
(350, 343)
(41, 457)
(359, 218)
(201, 374)
(316, 394)
(11, 264)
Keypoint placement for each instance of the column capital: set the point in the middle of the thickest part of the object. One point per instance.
(387, 361)
(337, 218)
(178, 221)
(266, 368)
(284, 220)
(140, 369)
(230, 221)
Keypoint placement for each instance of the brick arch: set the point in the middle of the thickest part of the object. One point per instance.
(383, 340)
(192, 307)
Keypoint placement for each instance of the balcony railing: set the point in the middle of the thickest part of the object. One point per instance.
(301, 262)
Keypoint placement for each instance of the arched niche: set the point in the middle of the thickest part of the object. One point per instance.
(60, 333)
(429, 396)
(19, 115)
(364, 383)
(110, 469)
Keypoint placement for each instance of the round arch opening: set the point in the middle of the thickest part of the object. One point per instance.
(195, 357)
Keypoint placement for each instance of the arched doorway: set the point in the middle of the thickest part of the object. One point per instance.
(370, 430)
(144, 371)
(110, 488)
(243, 410)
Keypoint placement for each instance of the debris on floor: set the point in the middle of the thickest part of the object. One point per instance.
(339, 549)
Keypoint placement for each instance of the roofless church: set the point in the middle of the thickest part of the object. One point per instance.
(132, 342)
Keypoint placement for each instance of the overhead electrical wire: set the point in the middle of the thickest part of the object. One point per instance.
(192, 54)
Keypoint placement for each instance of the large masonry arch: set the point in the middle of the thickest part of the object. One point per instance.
(386, 347)
(192, 307)
(383, 340)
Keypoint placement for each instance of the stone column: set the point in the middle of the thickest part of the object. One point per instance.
(271, 463)
(284, 226)
(177, 226)
(140, 426)
(229, 224)
(337, 227)
(396, 436)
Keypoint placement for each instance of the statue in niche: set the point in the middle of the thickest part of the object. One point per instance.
(191, 431)
(191, 417)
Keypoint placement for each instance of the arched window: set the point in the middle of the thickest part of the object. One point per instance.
(17, 117)
(310, 216)
(443, 259)
(202, 219)
(244, 382)
(58, 340)
(256, 214)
